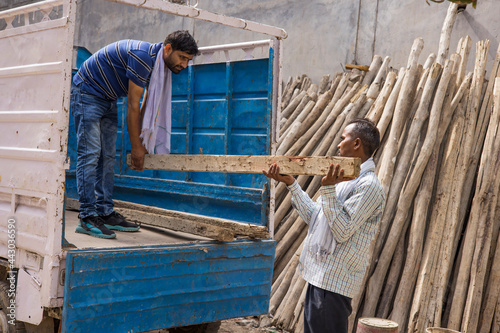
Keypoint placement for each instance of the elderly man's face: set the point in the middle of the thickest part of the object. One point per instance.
(348, 143)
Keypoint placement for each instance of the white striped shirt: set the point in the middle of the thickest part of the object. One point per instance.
(353, 224)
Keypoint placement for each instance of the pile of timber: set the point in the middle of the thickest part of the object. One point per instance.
(436, 259)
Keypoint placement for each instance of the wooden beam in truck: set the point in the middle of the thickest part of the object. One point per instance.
(178, 223)
(171, 218)
(215, 228)
(310, 165)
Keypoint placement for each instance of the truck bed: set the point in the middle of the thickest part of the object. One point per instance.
(147, 235)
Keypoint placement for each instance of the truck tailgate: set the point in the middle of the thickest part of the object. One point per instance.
(144, 288)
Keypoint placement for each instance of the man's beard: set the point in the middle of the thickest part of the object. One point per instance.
(172, 67)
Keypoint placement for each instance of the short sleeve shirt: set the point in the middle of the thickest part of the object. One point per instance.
(107, 72)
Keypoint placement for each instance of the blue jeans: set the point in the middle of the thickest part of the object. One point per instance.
(96, 124)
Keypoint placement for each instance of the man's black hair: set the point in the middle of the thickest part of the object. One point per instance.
(368, 133)
(182, 40)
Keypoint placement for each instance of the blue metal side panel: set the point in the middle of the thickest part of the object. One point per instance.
(222, 108)
(140, 289)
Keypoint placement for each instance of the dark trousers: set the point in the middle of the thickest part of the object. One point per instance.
(325, 311)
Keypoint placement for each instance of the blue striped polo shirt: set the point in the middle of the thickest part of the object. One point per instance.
(107, 72)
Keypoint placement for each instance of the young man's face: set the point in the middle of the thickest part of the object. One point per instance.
(349, 143)
(176, 60)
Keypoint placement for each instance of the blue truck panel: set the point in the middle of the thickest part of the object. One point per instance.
(138, 289)
(222, 109)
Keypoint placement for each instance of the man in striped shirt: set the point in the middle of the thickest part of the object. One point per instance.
(120, 69)
(342, 224)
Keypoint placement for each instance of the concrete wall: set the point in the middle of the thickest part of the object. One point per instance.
(323, 34)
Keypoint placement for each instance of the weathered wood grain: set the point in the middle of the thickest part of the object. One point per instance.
(310, 165)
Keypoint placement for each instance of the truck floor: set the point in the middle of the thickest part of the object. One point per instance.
(147, 235)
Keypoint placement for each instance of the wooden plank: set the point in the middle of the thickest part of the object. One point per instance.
(310, 165)
(362, 68)
(179, 221)
(237, 228)
(178, 224)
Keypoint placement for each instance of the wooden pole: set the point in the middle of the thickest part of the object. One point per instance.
(386, 301)
(298, 313)
(287, 316)
(377, 83)
(287, 112)
(460, 293)
(485, 200)
(309, 128)
(415, 243)
(323, 86)
(283, 286)
(373, 70)
(327, 126)
(492, 292)
(389, 107)
(403, 106)
(463, 49)
(296, 113)
(289, 238)
(375, 112)
(422, 293)
(407, 151)
(376, 281)
(287, 95)
(291, 135)
(279, 266)
(444, 41)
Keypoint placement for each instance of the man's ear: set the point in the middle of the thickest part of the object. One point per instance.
(167, 50)
(357, 143)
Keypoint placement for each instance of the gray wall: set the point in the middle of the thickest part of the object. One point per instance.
(323, 34)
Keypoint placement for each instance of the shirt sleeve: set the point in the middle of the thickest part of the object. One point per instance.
(302, 202)
(139, 67)
(346, 219)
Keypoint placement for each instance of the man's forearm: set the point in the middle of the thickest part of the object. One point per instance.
(302, 202)
(134, 124)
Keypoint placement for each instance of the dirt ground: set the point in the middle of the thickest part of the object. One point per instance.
(248, 324)
(241, 325)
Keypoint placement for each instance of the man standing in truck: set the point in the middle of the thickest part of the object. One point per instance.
(121, 69)
(342, 224)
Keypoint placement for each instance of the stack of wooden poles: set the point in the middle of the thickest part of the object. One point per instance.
(435, 260)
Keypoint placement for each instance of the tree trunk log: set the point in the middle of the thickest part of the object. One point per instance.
(401, 172)
(287, 112)
(374, 89)
(460, 293)
(376, 281)
(403, 106)
(485, 200)
(444, 41)
(445, 180)
(295, 114)
(373, 70)
(311, 127)
(299, 310)
(283, 286)
(292, 135)
(375, 112)
(387, 300)
(463, 49)
(287, 316)
(415, 243)
(492, 291)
